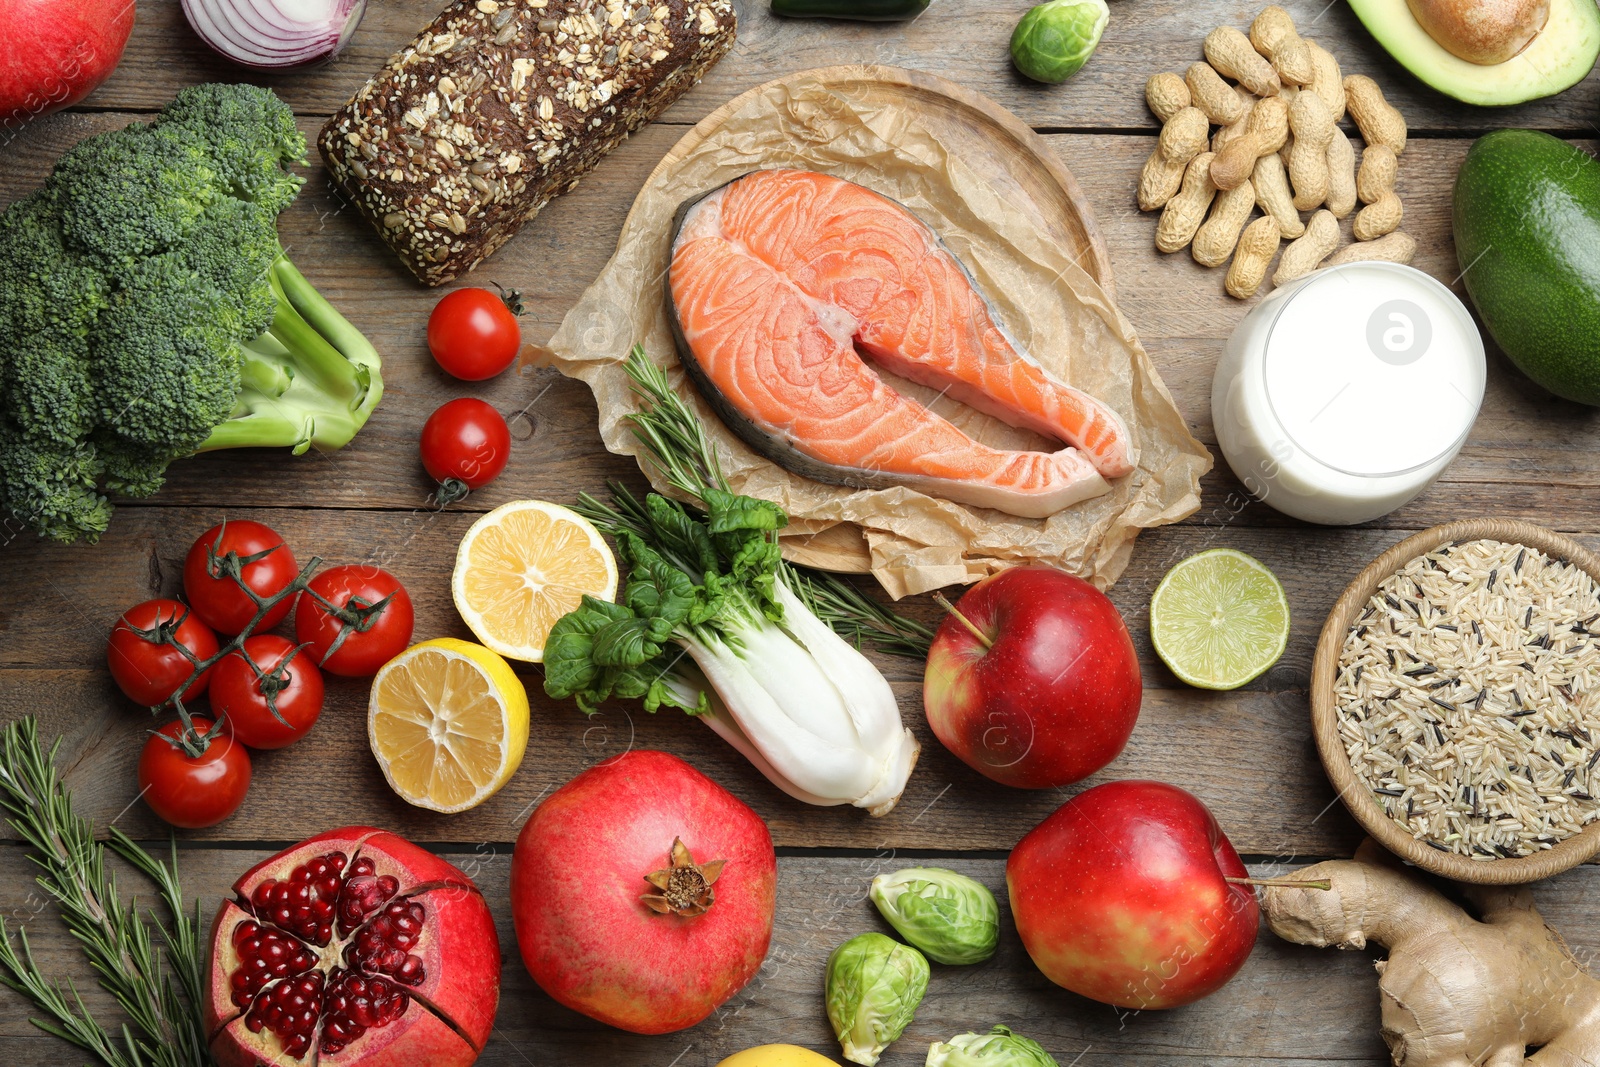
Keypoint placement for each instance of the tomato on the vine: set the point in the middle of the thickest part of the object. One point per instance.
(473, 333)
(144, 658)
(270, 691)
(196, 777)
(224, 556)
(465, 445)
(353, 619)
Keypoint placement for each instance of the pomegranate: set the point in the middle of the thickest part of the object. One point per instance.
(354, 947)
(54, 53)
(643, 893)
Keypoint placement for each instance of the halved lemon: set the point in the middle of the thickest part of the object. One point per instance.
(523, 566)
(448, 723)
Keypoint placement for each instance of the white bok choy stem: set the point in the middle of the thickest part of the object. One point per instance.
(822, 717)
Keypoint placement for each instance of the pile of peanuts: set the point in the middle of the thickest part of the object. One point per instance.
(1279, 148)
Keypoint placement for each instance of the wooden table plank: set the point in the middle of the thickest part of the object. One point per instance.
(964, 40)
(65, 608)
(1179, 308)
(1288, 1006)
(1247, 755)
(1331, 997)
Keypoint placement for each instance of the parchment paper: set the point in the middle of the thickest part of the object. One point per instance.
(925, 159)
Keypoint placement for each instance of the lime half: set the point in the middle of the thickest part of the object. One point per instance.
(1219, 619)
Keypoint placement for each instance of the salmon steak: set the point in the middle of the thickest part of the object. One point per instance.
(787, 286)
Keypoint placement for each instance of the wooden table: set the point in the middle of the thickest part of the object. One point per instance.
(1248, 753)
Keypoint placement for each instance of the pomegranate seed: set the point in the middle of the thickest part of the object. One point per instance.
(305, 903)
(289, 1010)
(364, 893)
(354, 1004)
(385, 943)
(265, 955)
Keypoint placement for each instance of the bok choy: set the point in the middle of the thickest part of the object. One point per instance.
(712, 621)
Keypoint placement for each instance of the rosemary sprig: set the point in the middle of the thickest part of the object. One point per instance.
(676, 445)
(163, 1027)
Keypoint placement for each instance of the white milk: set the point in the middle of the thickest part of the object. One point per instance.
(1344, 394)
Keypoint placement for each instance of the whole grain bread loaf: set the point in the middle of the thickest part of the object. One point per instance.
(500, 105)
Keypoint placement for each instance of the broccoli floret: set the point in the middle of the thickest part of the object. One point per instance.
(48, 307)
(51, 490)
(148, 312)
(251, 136)
(132, 193)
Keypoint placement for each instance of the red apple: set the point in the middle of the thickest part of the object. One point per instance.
(1032, 680)
(1121, 896)
(54, 53)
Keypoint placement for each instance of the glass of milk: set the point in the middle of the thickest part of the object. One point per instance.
(1344, 394)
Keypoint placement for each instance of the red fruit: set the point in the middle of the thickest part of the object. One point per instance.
(1120, 896)
(228, 554)
(1048, 694)
(190, 780)
(270, 693)
(146, 664)
(473, 333)
(353, 619)
(465, 446)
(55, 52)
(388, 948)
(617, 923)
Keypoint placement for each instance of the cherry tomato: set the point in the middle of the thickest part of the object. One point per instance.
(465, 445)
(193, 791)
(268, 673)
(145, 666)
(473, 333)
(358, 635)
(223, 556)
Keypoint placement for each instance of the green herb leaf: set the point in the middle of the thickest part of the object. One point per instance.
(159, 993)
(685, 538)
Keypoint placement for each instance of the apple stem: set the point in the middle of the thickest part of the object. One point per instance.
(968, 623)
(1282, 883)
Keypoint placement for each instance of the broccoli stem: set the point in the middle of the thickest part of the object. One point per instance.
(310, 381)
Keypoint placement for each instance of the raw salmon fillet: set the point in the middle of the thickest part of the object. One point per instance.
(777, 280)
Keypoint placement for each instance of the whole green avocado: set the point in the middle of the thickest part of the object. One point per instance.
(1527, 231)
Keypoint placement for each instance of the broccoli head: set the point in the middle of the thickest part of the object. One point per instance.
(148, 312)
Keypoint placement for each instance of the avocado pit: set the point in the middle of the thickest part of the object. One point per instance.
(1485, 32)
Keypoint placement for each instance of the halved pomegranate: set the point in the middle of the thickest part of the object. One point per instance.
(354, 947)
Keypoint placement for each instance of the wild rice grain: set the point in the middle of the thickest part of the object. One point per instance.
(1453, 775)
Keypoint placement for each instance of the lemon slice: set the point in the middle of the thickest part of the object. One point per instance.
(1219, 619)
(523, 566)
(448, 722)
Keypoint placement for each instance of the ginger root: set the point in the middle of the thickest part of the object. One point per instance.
(1456, 991)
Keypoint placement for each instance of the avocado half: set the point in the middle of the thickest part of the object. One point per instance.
(1526, 212)
(1560, 57)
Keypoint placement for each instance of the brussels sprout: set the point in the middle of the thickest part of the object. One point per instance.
(1057, 38)
(998, 1048)
(947, 915)
(874, 986)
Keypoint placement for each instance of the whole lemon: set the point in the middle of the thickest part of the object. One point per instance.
(777, 1056)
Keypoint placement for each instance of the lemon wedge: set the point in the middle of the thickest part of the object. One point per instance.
(523, 566)
(448, 723)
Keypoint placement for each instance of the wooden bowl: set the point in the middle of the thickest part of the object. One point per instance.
(1336, 759)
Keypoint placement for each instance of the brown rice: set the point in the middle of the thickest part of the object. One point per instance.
(1467, 698)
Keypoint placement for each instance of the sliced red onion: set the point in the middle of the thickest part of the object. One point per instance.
(275, 33)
